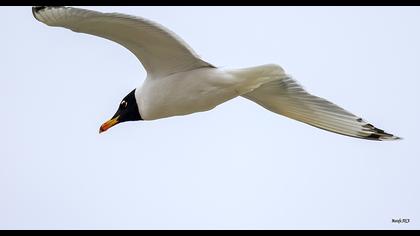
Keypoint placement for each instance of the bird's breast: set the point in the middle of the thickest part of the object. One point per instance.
(185, 93)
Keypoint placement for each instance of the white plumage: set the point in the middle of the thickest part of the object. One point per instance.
(179, 82)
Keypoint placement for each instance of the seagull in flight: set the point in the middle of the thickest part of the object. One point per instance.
(179, 82)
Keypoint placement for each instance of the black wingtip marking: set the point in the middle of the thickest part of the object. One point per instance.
(36, 10)
(378, 134)
(382, 135)
(374, 136)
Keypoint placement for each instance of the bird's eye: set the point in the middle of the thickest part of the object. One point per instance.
(123, 104)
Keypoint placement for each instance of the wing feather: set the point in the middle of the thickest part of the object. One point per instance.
(286, 97)
(160, 51)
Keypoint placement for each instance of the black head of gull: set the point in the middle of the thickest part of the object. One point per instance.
(127, 111)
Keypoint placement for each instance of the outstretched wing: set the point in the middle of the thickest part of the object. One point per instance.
(286, 97)
(159, 50)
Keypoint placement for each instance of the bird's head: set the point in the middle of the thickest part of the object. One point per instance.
(127, 111)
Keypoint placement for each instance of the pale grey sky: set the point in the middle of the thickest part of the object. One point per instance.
(235, 167)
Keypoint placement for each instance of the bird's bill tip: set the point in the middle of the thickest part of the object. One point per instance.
(107, 125)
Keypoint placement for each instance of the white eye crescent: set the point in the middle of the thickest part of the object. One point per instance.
(124, 104)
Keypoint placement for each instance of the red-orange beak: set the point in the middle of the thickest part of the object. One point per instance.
(109, 124)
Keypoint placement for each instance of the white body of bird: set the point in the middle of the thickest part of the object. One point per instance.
(199, 90)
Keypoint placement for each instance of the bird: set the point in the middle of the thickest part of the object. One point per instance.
(179, 82)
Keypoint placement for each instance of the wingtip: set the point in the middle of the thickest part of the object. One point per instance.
(36, 9)
(390, 138)
(377, 134)
(380, 135)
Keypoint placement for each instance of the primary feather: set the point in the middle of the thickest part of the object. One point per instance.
(286, 97)
(160, 51)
